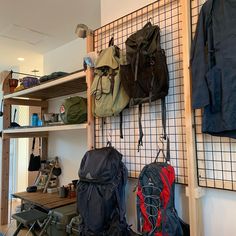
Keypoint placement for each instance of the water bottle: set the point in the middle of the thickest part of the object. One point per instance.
(34, 119)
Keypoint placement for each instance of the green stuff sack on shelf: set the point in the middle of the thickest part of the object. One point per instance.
(74, 110)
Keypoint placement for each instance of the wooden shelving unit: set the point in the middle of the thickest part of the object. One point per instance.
(40, 131)
(70, 84)
(36, 96)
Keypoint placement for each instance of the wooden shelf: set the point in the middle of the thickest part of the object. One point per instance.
(40, 131)
(70, 84)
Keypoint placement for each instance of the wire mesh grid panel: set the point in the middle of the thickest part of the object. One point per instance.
(167, 15)
(216, 156)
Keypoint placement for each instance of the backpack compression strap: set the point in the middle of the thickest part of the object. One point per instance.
(140, 141)
(163, 117)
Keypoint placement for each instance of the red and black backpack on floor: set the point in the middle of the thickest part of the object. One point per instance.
(156, 211)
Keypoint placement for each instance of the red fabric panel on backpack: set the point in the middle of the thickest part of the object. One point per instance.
(146, 227)
(169, 172)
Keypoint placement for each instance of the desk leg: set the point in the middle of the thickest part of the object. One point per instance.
(46, 225)
(10, 209)
(18, 229)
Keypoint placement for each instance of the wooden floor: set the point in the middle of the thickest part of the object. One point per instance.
(8, 230)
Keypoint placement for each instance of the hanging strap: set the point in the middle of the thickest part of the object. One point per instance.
(140, 141)
(163, 116)
(111, 42)
(165, 155)
(136, 66)
(121, 125)
(33, 144)
(167, 149)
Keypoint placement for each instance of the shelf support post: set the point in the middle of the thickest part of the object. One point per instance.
(89, 80)
(5, 76)
(194, 198)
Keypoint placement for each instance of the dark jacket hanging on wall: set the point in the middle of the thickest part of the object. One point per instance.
(213, 64)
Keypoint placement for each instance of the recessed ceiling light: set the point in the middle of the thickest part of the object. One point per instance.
(20, 59)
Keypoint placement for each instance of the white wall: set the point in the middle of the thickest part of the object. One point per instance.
(68, 57)
(112, 10)
(69, 146)
(219, 213)
(218, 207)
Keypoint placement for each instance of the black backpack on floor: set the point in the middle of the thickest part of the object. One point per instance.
(101, 193)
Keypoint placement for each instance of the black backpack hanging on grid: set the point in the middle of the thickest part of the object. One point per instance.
(156, 213)
(145, 75)
(101, 194)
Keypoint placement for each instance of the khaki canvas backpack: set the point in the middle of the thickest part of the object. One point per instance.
(109, 95)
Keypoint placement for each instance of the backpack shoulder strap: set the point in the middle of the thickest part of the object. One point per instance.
(121, 178)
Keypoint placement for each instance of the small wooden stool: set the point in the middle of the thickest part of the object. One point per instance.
(26, 218)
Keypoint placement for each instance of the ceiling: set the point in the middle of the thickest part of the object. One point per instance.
(32, 26)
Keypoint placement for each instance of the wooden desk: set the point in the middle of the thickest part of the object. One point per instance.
(46, 201)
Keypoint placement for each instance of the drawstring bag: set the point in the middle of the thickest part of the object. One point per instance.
(35, 161)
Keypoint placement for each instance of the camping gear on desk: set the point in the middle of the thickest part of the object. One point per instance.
(48, 175)
(35, 161)
(56, 170)
(31, 189)
(63, 191)
(13, 123)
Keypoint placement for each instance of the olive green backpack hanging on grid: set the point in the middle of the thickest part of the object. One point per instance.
(109, 96)
(74, 110)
